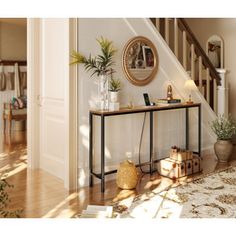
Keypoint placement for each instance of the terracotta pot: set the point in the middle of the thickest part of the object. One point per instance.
(127, 176)
(223, 150)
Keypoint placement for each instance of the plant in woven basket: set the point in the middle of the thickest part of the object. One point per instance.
(4, 200)
(224, 127)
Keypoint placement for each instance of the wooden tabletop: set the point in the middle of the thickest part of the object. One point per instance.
(137, 109)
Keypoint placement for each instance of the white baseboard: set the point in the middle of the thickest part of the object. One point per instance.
(52, 166)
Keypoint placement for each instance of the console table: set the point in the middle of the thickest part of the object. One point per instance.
(125, 111)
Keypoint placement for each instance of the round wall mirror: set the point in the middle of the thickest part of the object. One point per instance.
(140, 61)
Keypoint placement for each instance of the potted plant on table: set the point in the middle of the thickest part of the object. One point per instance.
(114, 88)
(100, 65)
(224, 128)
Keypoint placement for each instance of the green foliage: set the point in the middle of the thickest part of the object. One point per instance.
(114, 85)
(99, 64)
(224, 127)
(4, 200)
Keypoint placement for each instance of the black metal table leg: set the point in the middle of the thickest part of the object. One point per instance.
(199, 129)
(90, 149)
(102, 153)
(151, 142)
(187, 128)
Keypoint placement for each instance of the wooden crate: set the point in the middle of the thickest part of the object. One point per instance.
(181, 155)
(176, 169)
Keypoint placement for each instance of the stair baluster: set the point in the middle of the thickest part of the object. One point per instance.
(167, 38)
(200, 74)
(157, 24)
(176, 28)
(184, 50)
(215, 96)
(208, 85)
(192, 62)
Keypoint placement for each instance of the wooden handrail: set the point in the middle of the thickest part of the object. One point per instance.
(12, 63)
(198, 49)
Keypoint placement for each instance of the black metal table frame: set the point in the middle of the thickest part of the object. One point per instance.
(151, 160)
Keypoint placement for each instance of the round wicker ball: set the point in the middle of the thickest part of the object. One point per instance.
(127, 176)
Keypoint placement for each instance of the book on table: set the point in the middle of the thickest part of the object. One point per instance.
(168, 101)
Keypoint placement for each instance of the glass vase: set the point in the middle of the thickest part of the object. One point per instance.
(103, 92)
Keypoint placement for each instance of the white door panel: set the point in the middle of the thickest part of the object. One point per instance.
(53, 109)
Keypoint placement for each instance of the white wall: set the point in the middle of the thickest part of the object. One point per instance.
(123, 133)
(13, 40)
(13, 43)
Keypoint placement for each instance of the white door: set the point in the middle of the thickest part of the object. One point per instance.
(52, 100)
(53, 111)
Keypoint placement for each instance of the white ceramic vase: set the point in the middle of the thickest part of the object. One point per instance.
(114, 96)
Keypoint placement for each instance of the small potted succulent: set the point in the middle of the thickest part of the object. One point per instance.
(114, 88)
(224, 128)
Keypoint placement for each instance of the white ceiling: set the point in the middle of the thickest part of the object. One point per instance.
(16, 21)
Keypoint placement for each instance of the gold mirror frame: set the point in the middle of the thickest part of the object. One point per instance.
(129, 75)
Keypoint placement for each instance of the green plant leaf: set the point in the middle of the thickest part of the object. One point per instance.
(4, 200)
(114, 85)
(224, 127)
(99, 64)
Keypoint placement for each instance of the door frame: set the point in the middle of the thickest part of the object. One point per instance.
(33, 107)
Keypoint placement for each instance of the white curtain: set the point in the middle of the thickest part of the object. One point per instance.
(17, 81)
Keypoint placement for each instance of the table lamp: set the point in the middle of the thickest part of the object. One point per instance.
(190, 86)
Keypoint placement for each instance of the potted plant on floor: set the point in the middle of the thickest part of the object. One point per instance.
(224, 128)
(114, 88)
(4, 200)
(100, 65)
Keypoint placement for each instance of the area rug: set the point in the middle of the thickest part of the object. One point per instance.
(213, 196)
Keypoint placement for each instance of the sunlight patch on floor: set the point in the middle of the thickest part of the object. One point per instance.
(3, 155)
(151, 205)
(169, 207)
(63, 209)
(151, 183)
(13, 170)
(123, 194)
(146, 209)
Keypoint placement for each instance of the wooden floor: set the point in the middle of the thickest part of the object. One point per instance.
(40, 194)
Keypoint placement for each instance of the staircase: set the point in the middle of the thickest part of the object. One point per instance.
(190, 54)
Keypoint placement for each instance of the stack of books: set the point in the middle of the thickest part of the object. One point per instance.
(167, 101)
(96, 211)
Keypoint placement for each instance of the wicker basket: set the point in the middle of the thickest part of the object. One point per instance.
(127, 176)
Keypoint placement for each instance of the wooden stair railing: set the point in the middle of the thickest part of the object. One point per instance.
(183, 26)
(207, 85)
